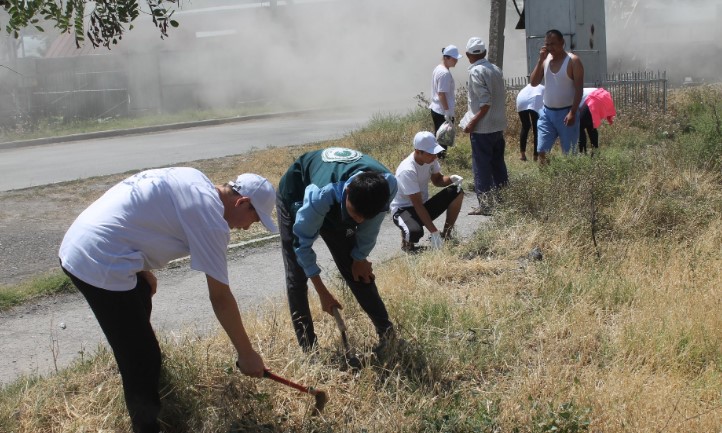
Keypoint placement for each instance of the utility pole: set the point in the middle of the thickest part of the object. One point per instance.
(496, 32)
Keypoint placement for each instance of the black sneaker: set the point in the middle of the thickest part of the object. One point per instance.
(388, 345)
(483, 209)
(410, 248)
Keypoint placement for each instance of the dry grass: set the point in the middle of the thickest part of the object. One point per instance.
(619, 332)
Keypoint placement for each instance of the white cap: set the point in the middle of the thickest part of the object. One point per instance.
(475, 46)
(426, 141)
(262, 195)
(452, 52)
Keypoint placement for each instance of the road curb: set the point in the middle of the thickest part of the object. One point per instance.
(147, 129)
(231, 247)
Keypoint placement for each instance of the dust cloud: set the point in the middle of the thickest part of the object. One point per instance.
(315, 53)
(681, 37)
(321, 53)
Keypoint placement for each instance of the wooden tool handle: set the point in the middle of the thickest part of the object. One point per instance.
(279, 379)
(339, 319)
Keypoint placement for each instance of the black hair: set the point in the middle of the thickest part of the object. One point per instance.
(368, 192)
(556, 33)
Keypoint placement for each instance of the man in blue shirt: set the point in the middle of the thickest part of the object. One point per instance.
(343, 196)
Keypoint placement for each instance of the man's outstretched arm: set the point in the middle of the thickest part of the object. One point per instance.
(226, 309)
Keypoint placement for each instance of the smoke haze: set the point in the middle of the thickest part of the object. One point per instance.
(325, 52)
(680, 37)
(320, 53)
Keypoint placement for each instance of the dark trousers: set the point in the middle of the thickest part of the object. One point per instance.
(340, 244)
(586, 127)
(487, 161)
(439, 120)
(408, 220)
(528, 121)
(124, 318)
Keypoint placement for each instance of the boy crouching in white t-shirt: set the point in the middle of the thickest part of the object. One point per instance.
(412, 209)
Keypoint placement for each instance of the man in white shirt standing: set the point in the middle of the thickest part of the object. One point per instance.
(412, 209)
(443, 88)
(485, 121)
(141, 224)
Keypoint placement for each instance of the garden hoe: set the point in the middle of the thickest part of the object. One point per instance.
(351, 359)
(321, 396)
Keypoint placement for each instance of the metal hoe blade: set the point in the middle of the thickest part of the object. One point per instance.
(351, 359)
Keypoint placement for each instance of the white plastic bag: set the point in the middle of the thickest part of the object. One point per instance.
(465, 120)
(446, 134)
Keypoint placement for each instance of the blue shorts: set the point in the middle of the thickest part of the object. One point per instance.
(551, 125)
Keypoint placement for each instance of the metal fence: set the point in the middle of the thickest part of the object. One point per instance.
(68, 88)
(516, 83)
(643, 90)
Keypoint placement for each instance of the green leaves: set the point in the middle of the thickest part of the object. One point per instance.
(108, 19)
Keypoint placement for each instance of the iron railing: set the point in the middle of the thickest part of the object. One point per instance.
(643, 90)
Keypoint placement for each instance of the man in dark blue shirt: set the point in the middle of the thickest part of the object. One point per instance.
(343, 196)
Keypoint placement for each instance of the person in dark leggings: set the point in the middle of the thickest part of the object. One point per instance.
(528, 121)
(586, 127)
(342, 196)
(529, 101)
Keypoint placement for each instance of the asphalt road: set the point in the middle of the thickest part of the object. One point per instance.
(32, 165)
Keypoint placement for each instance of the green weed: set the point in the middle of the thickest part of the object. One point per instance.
(52, 284)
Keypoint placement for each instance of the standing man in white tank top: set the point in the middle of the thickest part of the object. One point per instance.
(563, 76)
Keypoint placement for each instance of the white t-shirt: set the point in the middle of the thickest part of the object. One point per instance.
(530, 98)
(144, 222)
(412, 178)
(442, 81)
(585, 93)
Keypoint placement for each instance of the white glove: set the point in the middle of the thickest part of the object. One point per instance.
(449, 116)
(456, 181)
(436, 241)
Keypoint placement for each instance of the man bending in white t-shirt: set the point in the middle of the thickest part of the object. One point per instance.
(412, 209)
(141, 224)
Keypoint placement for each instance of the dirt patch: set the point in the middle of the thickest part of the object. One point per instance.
(34, 220)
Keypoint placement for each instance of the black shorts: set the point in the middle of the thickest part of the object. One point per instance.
(408, 221)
